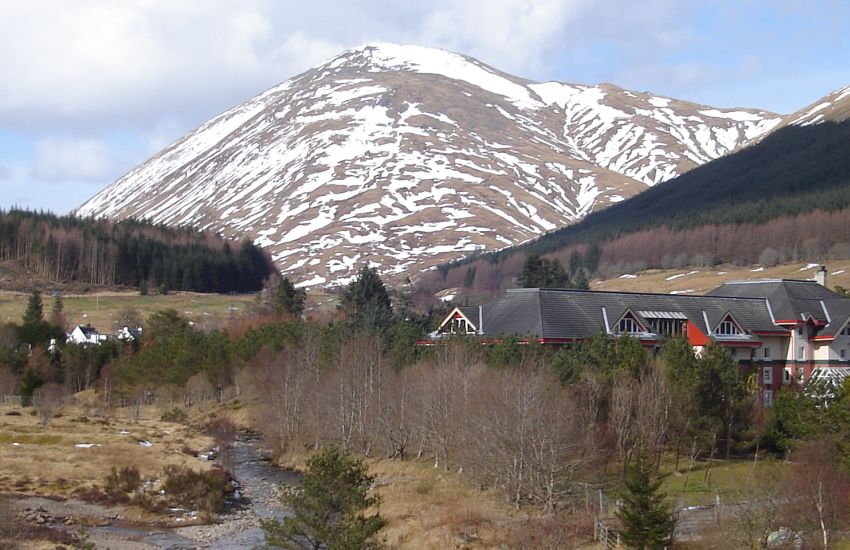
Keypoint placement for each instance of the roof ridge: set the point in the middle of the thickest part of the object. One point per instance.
(589, 291)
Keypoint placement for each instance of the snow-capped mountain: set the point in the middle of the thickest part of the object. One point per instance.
(406, 157)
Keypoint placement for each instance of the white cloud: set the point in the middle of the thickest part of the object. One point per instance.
(510, 34)
(98, 63)
(68, 159)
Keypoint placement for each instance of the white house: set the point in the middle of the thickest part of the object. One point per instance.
(86, 335)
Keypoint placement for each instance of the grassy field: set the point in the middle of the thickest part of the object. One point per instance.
(77, 450)
(726, 479)
(106, 310)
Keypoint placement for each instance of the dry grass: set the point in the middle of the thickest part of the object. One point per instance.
(102, 310)
(47, 461)
(700, 280)
(428, 508)
(432, 508)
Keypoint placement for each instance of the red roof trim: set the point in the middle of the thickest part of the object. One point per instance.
(739, 344)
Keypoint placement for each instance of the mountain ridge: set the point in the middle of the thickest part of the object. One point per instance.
(406, 157)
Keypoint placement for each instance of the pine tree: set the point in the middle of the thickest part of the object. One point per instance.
(328, 511)
(34, 313)
(647, 520)
(532, 272)
(366, 302)
(288, 299)
(57, 312)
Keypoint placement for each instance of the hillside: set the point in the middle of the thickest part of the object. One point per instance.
(784, 198)
(407, 157)
(43, 250)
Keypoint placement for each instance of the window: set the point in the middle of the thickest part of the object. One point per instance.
(799, 331)
(628, 325)
(843, 354)
(801, 353)
(767, 376)
(727, 328)
(767, 398)
(786, 376)
(669, 327)
(800, 372)
(766, 352)
(845, 331)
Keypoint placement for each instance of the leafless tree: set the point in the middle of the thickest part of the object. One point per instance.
(821, 492)
(47, 401)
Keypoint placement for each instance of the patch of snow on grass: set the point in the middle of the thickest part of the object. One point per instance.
(839, 272)
(628, 276)
(757, 269)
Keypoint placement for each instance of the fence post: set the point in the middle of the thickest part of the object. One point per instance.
(717, 508)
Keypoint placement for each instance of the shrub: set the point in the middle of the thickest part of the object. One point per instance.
(202, 491)
(118, 484)
(175, 415)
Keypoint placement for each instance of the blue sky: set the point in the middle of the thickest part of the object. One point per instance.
(91, 88)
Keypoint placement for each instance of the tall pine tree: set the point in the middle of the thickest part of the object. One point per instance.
(366, 302)
(34, 313)
(647, 520)
(289, 300)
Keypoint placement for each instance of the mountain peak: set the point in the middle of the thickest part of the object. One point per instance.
(406, 157)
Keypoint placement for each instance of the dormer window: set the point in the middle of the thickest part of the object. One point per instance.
(629, 325)
(727, 328)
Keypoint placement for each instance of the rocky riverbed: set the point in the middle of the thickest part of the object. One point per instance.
(238, 527)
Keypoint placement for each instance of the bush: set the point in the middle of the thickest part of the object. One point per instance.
(120, 483)
(175, 415)
(202, 491)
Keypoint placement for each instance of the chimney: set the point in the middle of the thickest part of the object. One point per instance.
(820, 276)
(481, 319)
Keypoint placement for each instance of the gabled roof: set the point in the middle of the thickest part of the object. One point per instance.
(87, 330)
(790, 299)
(579, 314)
(794, 300)
(471, 313)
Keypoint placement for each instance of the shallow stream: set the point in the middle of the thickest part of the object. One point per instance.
(239, 527)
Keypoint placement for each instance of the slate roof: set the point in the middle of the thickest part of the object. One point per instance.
(579, 314)
(794, 300)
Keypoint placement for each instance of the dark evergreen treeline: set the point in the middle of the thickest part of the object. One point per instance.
(795, 183)
(130, 252)
(794, 170)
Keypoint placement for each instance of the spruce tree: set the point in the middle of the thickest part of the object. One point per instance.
(328, 511)
(34, 313)
(366, 302)
(531, 275)
(57, 313)
(288, 299)
(647, 520)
